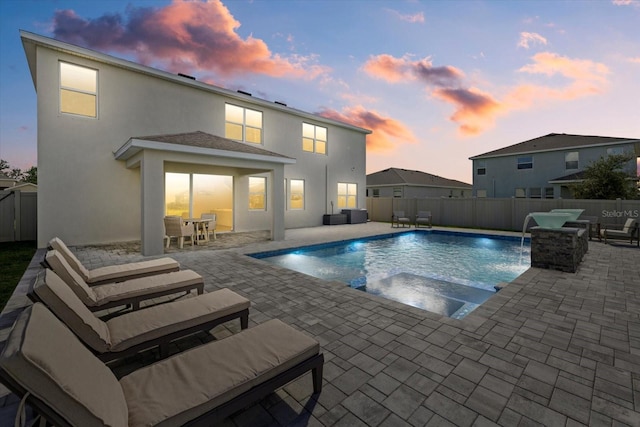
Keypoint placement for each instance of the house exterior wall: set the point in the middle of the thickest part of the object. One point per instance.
(417, 191)
(502, 177)
(86, 196)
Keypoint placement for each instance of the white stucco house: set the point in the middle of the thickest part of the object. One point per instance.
(120, 145)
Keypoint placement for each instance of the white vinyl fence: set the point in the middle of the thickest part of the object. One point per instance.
(18, 216)
(498, 214)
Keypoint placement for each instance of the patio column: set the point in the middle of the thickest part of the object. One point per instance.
(152, 195)
(277, 203)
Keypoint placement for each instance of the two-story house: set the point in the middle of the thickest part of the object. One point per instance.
(121, 145)
(397, 182)
(545, 167)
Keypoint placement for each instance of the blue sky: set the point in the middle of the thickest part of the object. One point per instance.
(436, 81)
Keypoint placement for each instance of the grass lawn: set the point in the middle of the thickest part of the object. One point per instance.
(14, 259)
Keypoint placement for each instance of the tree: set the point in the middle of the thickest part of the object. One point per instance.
(606, 179)
(31, 175)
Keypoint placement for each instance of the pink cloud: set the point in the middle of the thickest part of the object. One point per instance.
(475, 110)
(395, 70)
(386, 132)
(186, 37)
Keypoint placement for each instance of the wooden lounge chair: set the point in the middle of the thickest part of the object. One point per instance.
(423, 218)
(400, 218)
(629, 231)
(46, 366)
(114, 273)
(129, 292)
(135, 331)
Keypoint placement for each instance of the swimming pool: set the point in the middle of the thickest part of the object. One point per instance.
(443, 272)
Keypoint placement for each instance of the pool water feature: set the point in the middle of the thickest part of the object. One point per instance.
(443, 272)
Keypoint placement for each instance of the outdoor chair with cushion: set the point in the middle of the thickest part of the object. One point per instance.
(630, 231)
(400, 218)
(423, 218)
(49, 369)
(211, 225)
(114, 273)
(130, 292)
(135, 331)
(174, 226)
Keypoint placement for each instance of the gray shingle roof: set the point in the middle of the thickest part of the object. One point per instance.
(206, 140)
(395, 176)
(553, 141)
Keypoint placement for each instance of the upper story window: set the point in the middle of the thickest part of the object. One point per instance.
(481, 167)
(525, 162)
(615, 150)
(78, 90)
(314, 138)
(296, 194)
(397, 191)
(571, 160)
(257, 193)
(347, 195)
(243, 124)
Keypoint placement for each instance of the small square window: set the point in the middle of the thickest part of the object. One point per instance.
(314, 138)
(243, 124)
(481, 167)
(520, 193)
(525, 162)
(571, 160)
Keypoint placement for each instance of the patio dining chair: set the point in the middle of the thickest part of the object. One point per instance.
(211, 225)
(174, 226)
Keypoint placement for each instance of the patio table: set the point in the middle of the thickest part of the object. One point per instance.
(200, 228)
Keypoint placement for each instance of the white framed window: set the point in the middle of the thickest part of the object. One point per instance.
(397, 191)
(347, 195)
(243, 124)
(314, 138)
(571, 160)
(257, 193)
(520, 193)
(481, 193)
(525, 162)
(535, 193)
(548, 192)
(296, 194)
(78, 90)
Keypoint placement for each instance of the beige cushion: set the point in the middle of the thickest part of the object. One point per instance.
(61, 267)
(153, 322)
(44, 357)
(74, 262)
(71, 310)
(133, 288)
(189, 384)
(114, 273)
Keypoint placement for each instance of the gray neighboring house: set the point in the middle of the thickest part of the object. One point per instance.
(544, 167)
(410, 184)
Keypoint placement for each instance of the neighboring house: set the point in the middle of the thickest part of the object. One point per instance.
(7, 183)
(545, 167)
(121, 144)
(394, 182)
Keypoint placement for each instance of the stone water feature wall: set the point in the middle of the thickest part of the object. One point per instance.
(558, 248)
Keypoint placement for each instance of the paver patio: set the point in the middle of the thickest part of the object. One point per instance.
(551, 348)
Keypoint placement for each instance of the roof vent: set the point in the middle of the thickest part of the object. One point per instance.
(279, 103)
(243, 92)
(186, 76)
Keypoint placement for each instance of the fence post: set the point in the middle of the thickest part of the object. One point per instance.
(17, 226)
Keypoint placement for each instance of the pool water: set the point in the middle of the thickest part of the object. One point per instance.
(443, 272)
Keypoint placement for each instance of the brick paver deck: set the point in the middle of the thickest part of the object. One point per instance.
(551, 348)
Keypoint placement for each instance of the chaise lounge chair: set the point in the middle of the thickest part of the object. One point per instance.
(114, 273)
(135, 331)
(50, 370)
(400, 218)
(423, 218)
(129, 292)
(629, 231)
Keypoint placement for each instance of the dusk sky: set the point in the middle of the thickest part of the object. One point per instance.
(436, 81)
